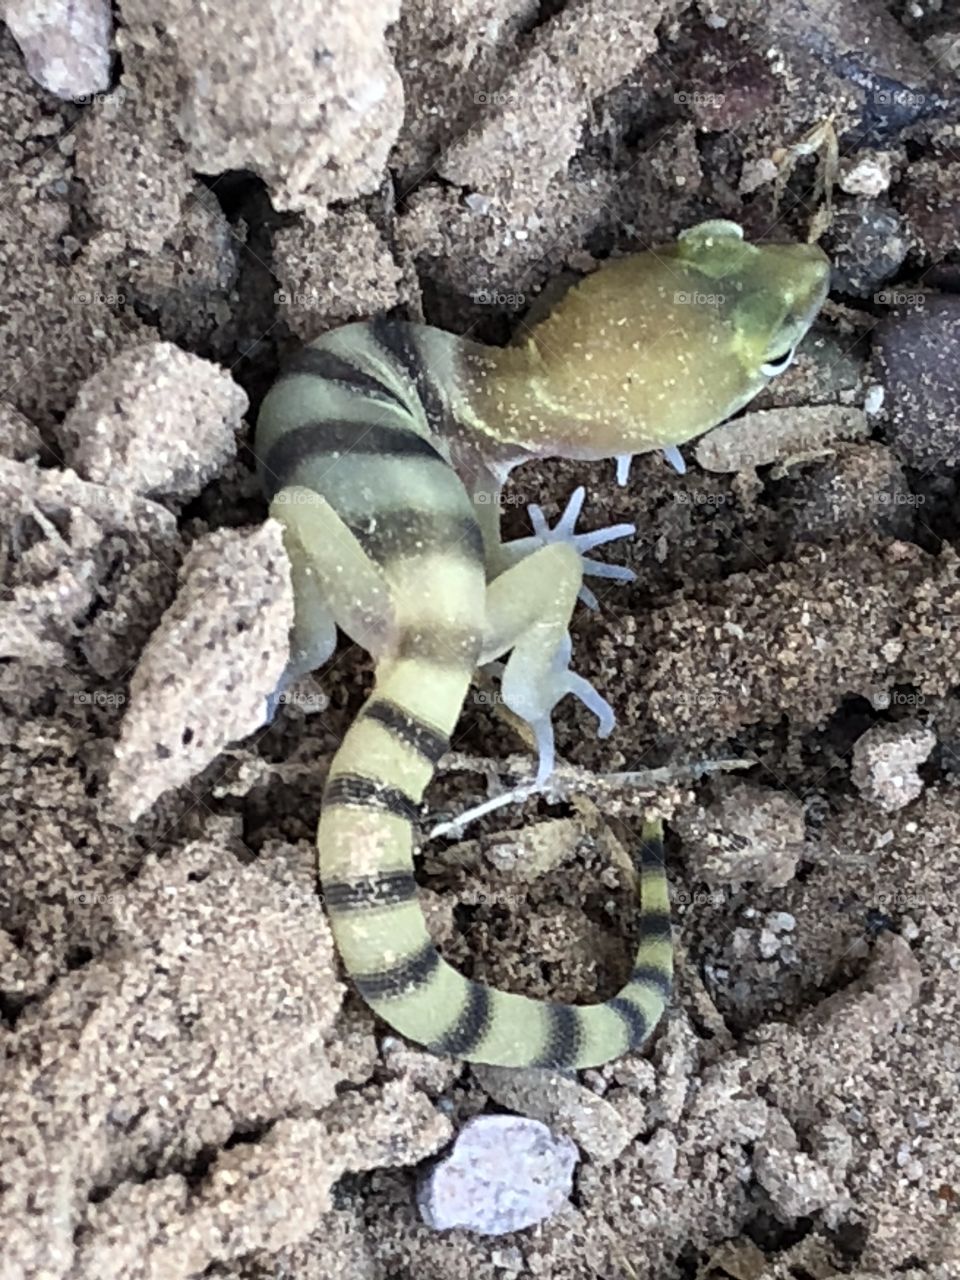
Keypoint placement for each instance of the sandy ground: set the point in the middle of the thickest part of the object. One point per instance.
(188, 1086)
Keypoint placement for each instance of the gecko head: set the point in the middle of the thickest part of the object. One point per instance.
(655, 348)
(766, 295)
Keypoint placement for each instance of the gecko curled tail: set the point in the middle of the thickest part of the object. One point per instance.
(366, 872)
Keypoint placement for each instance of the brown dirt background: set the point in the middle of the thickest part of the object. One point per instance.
(188, 1088)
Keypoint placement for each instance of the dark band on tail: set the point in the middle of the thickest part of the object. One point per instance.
(563, 1037)
(650, 854)
(472, 1025)
(653, 926)
(382, 889)
(633, 1019)
(410, 972)
(414, 733)
(648, 975)
(355, 791)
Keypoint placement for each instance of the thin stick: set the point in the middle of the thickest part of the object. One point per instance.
(566, 781)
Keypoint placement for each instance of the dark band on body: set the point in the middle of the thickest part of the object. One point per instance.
(320, 363)
(337, 438)
(651, 855)
(398, 341)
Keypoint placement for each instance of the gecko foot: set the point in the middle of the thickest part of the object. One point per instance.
(563, 531)
(534, 702)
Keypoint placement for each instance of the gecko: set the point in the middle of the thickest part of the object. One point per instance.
(382, 449)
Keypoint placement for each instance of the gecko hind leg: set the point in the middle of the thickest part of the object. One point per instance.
(335, 583)
(528, 609)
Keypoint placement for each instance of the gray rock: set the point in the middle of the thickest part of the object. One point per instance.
(65, 44)
(566, 1106)
(885, 760)
(868, 244)
(503, 1174)
(916, 359)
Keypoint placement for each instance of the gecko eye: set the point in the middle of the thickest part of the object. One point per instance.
(773, 367)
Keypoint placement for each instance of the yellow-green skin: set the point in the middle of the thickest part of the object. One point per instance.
(382, 448)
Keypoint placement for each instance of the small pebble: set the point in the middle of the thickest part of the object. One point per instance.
(507, 1259)
(885, 763)
(769, 944)
(873, 399)
(781, 922)
(868, 244)
(65, 44)
(503, 1174)
(868, 175)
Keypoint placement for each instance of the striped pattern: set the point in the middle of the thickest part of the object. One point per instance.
(413, 733)
(352, 790)
(335, 439)
(363, 420)
(380, 889)
(420, 995)
(327, 365)
(399, 343)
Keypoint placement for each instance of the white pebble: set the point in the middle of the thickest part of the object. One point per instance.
(873, 400)
(504, 1173)
(65, 44)
(477, 203)
(868, 176)
(769, 944)
(781, 922)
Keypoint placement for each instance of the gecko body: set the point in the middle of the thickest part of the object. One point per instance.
(382, 448)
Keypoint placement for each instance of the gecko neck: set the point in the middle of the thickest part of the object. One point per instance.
(505, 394)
